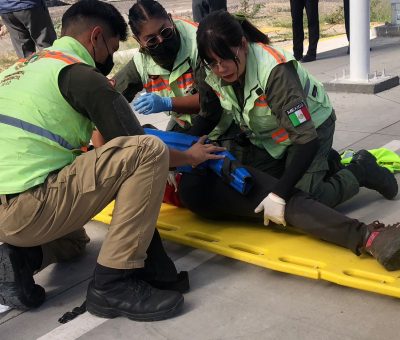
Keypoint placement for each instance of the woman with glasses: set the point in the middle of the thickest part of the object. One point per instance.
(284, 120)
(278, 118)
(164, 65)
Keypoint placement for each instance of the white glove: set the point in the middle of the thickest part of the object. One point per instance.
(274, 209)
(171, 179)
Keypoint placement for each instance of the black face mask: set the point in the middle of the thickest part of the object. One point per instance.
(165, 53)
(106, 67)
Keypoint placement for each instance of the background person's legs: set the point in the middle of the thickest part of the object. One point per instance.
(21, 39)
(296, 10)
(38, 22)
(313, 26)
(199, 9)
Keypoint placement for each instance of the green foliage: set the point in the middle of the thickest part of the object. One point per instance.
(249, 10)
(381, 10)
(336, 17)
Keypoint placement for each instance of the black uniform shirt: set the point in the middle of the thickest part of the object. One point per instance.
(91, 94)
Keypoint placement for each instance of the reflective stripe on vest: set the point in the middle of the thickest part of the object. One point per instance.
(51, 55)
(261, 101)
(37, 130)
(279, 57)
(185, 80)
(157, 84)
(280, 136)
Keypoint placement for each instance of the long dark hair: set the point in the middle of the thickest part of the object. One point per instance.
(142, 11)
(219, 31)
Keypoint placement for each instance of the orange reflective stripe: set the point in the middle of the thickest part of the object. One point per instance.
(59, 56)
(195, 24)
(279, 57)
(218, 94)
(280, 136)
(185, 80)
(158, 84)
(261, 101)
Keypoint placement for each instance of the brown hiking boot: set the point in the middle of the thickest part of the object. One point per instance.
(383, 243)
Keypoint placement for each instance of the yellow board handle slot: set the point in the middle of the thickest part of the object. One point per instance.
(299, 261)
(359, 274)
(167, 228)
(201, 236)
(246, 249)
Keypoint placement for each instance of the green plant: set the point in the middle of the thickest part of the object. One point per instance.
(249, 10)
(381, 10)
(336, 17)
(7, 59)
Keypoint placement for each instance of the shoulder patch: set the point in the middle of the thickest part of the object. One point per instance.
(298, 114)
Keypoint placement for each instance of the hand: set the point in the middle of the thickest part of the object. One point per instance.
(200, 152)
(152, 103)
(171, 179)
(274, 209)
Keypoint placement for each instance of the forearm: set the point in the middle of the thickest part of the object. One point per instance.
(187, 104)
(178, 158)
(302, 158)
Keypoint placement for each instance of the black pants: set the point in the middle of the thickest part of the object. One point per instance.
(296, 8)
(201, 8)
(346, 7)
(204, 193)
(29, 29)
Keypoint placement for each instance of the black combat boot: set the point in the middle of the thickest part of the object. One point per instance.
(383, 243)
(160, 271)
(17, 286)
(371, 175)
(118, 292)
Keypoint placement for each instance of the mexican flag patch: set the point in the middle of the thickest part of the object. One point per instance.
(298, 114)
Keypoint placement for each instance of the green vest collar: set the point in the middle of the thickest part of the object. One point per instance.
(70, 44)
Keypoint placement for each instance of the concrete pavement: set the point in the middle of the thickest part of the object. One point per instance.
(235, 300)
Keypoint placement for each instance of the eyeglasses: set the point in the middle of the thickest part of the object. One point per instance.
(215, 64)
(165, 34)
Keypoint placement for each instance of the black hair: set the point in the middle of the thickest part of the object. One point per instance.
(89, 11)
(219, 31)
(142, 11)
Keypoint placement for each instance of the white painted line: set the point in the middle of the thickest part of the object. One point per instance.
(75, 328)
(394, 145)
(86, 322)
(4, 309)
(193, 260)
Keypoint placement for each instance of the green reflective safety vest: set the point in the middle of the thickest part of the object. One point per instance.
(180, 81)
(39, 131)
(256, 116)
(384, 157)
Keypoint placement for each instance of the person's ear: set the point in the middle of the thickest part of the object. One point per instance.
(95, 35)
(245, 45)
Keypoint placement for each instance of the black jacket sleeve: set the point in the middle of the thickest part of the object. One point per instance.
(91, 94)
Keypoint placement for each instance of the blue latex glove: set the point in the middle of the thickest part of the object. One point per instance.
(152, 103)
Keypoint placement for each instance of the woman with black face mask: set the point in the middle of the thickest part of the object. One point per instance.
(164, 65)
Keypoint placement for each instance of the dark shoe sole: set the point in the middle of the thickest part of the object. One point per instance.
(12, 274)
(110, 313)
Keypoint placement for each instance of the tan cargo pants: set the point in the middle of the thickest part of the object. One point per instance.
(131, 170)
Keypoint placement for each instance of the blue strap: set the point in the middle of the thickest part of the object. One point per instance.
(37, 130)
